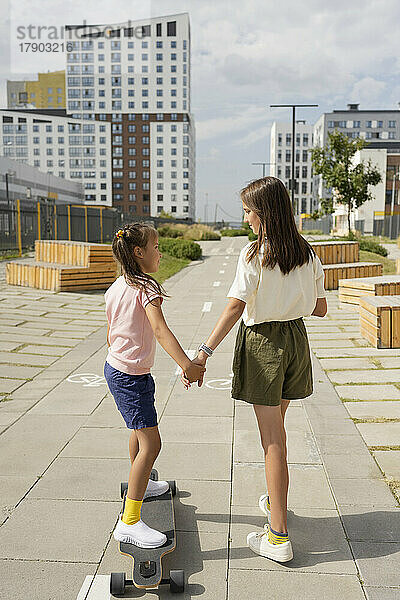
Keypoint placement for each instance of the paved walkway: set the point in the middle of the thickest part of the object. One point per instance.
(63, 453)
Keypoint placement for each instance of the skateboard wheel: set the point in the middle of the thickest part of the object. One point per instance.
(154, 475)
(172, 487)
(117, 584)
(124, 487)
(176, 582)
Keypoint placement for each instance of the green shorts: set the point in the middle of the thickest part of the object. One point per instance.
(272, 361)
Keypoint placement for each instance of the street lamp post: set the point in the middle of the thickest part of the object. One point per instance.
(293, 107)
(264, 164)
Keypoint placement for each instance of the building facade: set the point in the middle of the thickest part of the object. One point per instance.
(62, 146)
(48, 91)
(380, 129)
(281, 159)
(136, 76)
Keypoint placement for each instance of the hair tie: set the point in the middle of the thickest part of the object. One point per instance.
(120, 233)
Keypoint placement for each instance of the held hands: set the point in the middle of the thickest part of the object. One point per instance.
(198, 369)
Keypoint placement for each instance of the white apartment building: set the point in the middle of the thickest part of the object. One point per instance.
(136, 75)
(62, 146)
(281, 159)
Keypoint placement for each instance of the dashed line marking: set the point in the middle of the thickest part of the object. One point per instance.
(222, 272)
(216, 283)
(191, 354)
(206, 307)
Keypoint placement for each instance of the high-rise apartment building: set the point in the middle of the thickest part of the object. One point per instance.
(281, 159)
(48, 91)
(136, 76)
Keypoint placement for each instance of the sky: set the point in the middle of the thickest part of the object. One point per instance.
(245, 56)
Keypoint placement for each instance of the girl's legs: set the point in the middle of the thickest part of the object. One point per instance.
(273, 440)
(143, 449)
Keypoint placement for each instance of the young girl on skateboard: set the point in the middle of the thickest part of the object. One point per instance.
(279, 280)
(135, 319)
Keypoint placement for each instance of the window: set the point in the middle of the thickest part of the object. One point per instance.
(368, 123)
(146, 139)
(392, 124)
(288, 139)
(356, 124)
(288, 155)
(305, 139)
(159, 56)
(279, 139)
(380, 124)
(171, 28)
(158, 32)
(331, 124)
(173, 56)
(304, 187)
(392, 135)
(297, 139)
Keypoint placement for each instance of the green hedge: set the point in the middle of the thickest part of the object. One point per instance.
(180, 248)
(233, 232)
(167, 231)
(371, 246)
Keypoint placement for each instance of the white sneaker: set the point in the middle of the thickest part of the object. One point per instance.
(263, 503)
(156, 488)
(139, 534)
(260, 544)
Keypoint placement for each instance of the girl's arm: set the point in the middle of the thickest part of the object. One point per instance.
(321, 308)
(169, 342)
(108, 331)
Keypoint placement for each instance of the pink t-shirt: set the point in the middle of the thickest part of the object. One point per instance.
(132, 342)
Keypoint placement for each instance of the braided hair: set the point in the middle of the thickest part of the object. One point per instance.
(123, 245)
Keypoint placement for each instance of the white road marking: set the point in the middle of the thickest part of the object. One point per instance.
(224, 264)
(222, 272)
(191, 354)
(216, 283)
(226, 257)
(207, 307)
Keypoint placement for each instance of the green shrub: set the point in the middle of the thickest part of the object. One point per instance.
(168, 231)
(252, 236)
(179, 248)
(371, 246)
(233, 232)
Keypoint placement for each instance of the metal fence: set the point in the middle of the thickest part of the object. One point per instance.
(389, 226)
(23, 223)
(324, 224)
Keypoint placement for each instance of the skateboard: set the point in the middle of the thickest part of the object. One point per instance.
(158, 513)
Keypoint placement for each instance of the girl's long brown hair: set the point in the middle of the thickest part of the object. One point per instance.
(278, 234)
(124, 242)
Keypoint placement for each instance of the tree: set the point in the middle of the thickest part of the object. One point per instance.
(348, 181)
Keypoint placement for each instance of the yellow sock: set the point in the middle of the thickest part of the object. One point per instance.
(131, 511)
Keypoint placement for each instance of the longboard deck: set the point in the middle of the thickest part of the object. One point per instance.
(158, 513)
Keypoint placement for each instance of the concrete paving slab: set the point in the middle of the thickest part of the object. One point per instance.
(15, 358)
(369, 392)
(24, 329)
(363, 492)
(364, 524)
(312, 586)
(370, 376)
(308, 486)
(358, 466)
(22, 536)
(33, 456)
(356, 352)
(69, 400)
(8, 346)
(193, 509)
(390, 362)
(83, 479)
(12, 490)
(347, 363)
(7, 386)
(46, 350)
(389, 462)
(369, 410)
(197, 404)
(318, 542)
(381, 593)
(195, 461)
(380, 434)
(19, 372)
(40, 580)
(378, 563)
(324, 343)
(99, 443)
(107, 415)
(203, 430)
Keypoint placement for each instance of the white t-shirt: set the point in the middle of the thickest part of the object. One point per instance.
(272, 296)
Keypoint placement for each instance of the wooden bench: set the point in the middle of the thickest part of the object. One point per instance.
(331, 253)
(334, 273)
(351, 290)
(62, 266)
(380, 320)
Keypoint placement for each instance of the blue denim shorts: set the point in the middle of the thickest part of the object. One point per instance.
(134, 397)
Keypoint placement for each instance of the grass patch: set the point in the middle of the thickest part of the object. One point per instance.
(375, 420)
(389, 265)
(5, 399)
(370, 400)
(384, 448)
(12, 254)
(169, 265)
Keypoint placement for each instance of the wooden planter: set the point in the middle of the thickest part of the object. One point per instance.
(351, 290)
(331, 253)
(380, 320)
(334, 273)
